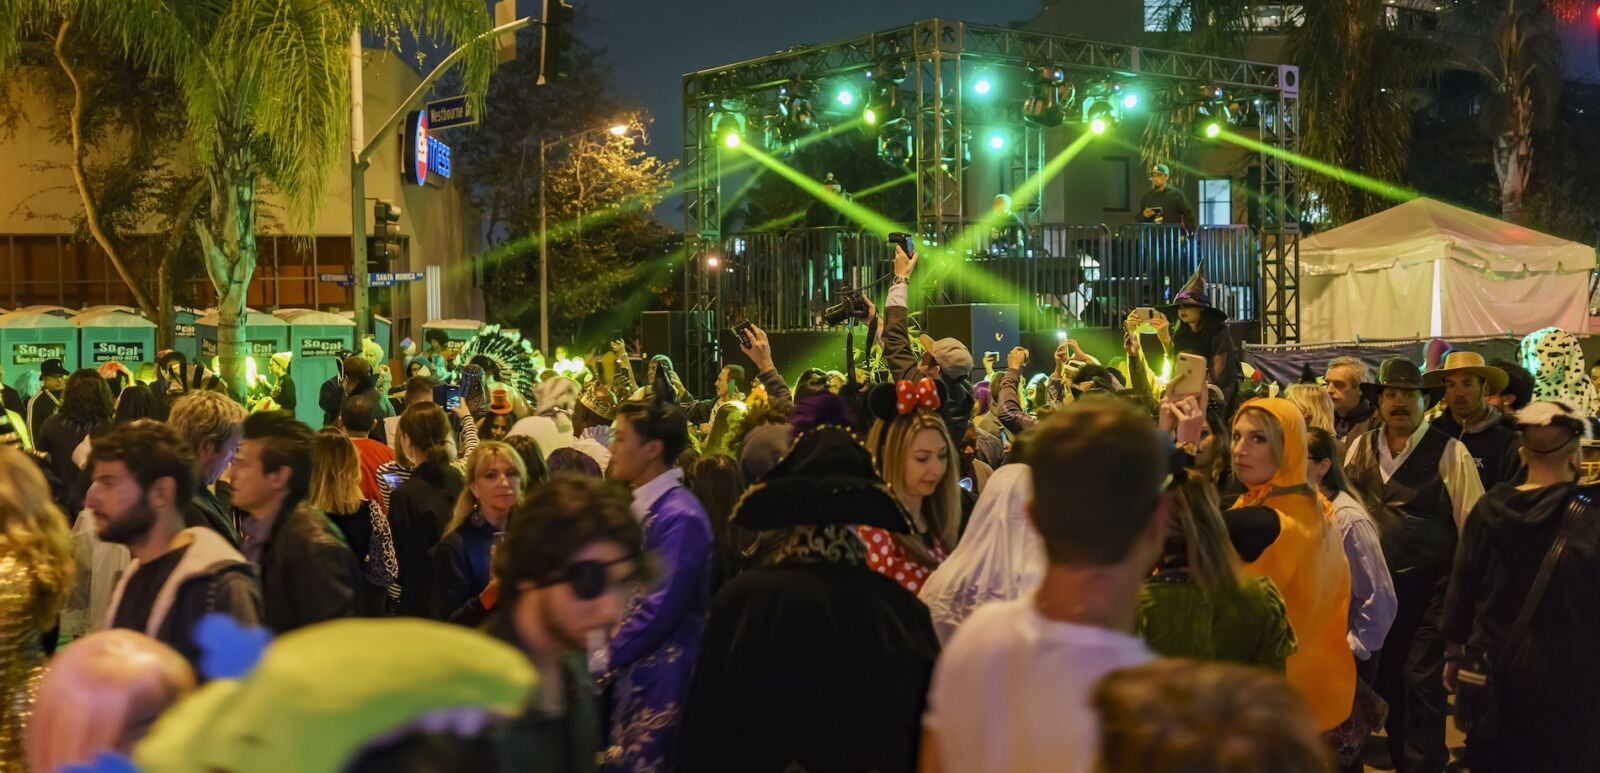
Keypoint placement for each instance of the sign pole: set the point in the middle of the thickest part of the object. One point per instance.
(362, 305)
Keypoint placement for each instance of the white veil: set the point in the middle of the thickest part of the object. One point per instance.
(999, 558)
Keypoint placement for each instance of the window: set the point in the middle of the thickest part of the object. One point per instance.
(1216, 201)
(1157, 14)
(1116, 184)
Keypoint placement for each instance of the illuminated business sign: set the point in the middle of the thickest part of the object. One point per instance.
(33, 354)
(423, 154)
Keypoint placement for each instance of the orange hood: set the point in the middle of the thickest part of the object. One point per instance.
(1291, 473)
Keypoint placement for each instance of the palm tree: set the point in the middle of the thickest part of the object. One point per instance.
(1521, 63)
(265, 89)
(1356, 81)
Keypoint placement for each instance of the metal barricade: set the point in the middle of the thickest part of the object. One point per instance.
(1064, 276)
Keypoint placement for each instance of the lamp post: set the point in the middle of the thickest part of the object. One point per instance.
(616, 130)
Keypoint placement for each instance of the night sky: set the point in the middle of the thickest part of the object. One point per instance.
(652, 43)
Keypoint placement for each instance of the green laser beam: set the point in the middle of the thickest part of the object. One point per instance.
(784, 220)
(863, 215)
(1387, 190)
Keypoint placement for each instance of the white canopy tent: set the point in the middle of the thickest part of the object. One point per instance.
(1429, 269)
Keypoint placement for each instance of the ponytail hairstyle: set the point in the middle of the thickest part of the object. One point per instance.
(426, 428)
(1321, 446)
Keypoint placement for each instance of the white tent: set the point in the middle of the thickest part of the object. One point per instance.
(1428, 269)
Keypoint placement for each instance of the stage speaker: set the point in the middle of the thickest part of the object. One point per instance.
(983, 327)
(662, 332)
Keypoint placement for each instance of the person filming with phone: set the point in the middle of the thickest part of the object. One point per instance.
(946, 361)
(1202, 330)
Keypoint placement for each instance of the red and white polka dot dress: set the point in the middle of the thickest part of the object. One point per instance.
(885, 557)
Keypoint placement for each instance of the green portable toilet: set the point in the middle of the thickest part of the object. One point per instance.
(28, 338)
(315, 340)
(264, 334)
(115, 336)
(45, 308)
(383, 333)
(457, 332)
(184, 338)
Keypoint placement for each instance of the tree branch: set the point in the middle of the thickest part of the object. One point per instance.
(91, 214)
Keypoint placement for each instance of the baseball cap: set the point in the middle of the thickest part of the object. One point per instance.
(1161, 169)
(952, 355)
(52, 367)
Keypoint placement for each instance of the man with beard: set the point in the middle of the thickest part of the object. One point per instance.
(1353, 414)
(1469, 418)
(143, 476)
(1419, 484)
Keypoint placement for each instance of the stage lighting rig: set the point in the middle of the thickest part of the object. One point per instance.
(728, 123)
(1102, 105)
(1050, 95)
(796, 115)
(895, 142)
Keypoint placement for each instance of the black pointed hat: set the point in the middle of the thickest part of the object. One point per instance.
(1194, 294)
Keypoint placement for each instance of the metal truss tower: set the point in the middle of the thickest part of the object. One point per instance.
(939, 54)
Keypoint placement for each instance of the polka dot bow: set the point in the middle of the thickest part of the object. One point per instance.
(909, 397)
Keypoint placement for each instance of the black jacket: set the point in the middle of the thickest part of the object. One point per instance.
(308, 573)
(1493, 446)
(1546, 696)
(461, 572)
(12, 400)
(211, 577)
(418, 513)
(956, 406)
(213, 510)
(58, 439)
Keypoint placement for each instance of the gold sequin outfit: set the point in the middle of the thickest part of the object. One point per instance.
(21, 661)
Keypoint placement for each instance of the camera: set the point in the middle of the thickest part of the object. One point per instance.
(852, 304)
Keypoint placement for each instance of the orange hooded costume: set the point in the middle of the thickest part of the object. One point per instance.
(1308, 565)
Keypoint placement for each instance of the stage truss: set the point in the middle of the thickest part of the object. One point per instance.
(939, 54)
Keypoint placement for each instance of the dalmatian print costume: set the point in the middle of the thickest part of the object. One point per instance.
(1554, 358)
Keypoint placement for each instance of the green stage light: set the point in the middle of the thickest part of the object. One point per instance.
(1098, 126)
(983, 87)
(1130, 101)
(870, 116)
(997, 141)
(1213, 130)
(732, 140)
(846, 97)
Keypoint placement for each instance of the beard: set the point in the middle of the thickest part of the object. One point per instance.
(131, 527)
(565, 640)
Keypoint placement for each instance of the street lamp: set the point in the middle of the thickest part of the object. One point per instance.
(616, 130)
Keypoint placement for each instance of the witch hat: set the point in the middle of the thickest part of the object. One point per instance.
(1194, 294)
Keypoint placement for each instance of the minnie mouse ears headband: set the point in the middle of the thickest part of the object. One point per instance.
(886, 401)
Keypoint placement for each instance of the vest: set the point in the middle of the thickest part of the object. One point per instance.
(1413, 509)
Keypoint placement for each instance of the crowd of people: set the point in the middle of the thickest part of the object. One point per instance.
(957, 568)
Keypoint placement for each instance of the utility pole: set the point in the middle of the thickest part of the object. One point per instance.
(361, 157)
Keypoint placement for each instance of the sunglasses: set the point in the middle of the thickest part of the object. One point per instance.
(589, 579)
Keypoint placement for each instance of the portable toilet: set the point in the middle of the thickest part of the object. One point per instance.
(264, 335)
(315, 340)
(457, 332)
(382, 332)
(45, 308)
(28, 338)
(112, 335)
(184, 338)
(107, 307)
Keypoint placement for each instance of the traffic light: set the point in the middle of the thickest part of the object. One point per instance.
(555, 42)
(385, 230)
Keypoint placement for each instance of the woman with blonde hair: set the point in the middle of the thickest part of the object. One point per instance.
(1314, 403)
(1281, 528)
(101, 694)
(36, 572)
(919, 462)
(463, 584)
(336, 491)
(1199, 603)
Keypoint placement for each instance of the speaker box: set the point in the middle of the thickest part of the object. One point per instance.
(662, 332)
(983, 327)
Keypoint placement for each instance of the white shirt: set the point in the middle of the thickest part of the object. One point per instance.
(1011, 692)
(1456, 466)
(590, 443)
(644, 497)
(544, 431)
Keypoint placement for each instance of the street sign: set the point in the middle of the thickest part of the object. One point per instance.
(449, 113)
(374, 279)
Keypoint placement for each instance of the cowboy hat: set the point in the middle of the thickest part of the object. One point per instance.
(1399, 373)
(1495, 379)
